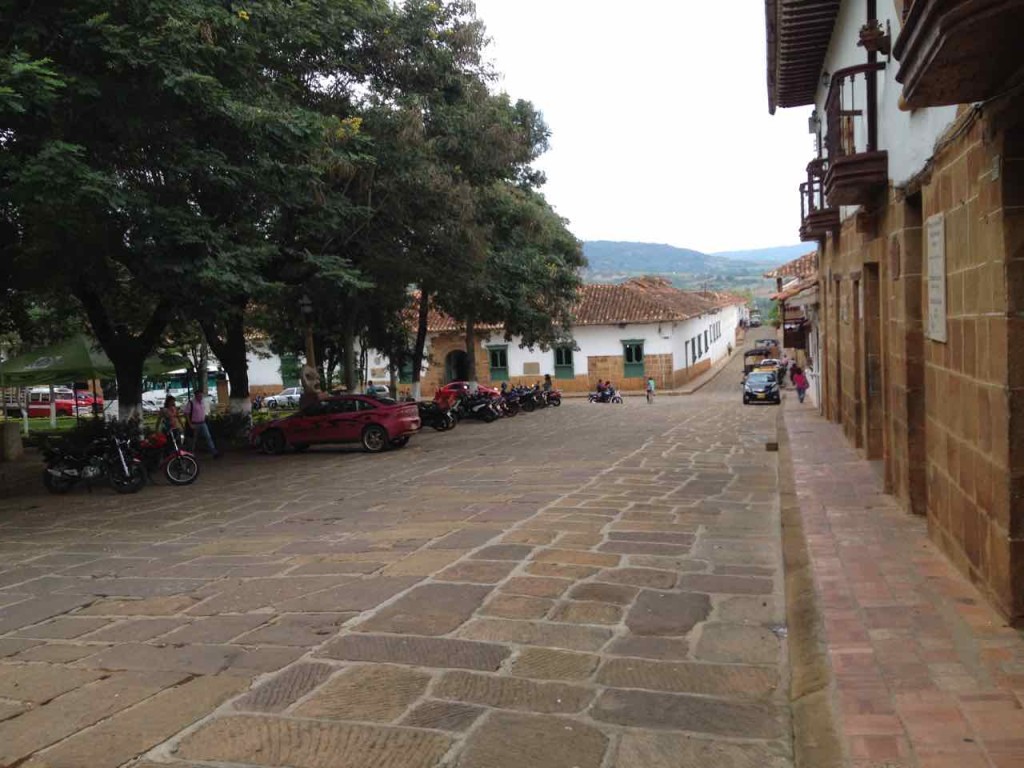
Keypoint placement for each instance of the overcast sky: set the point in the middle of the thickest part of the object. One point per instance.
(659, 116)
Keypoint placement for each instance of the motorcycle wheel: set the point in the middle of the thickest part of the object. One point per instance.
(131, 484)
(529, 406)
(56, 484)
(555, 402)
(182, 470)
(617, 400)
(449, 422)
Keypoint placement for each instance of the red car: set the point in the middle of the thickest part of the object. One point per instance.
(447, 394)
(376, 423)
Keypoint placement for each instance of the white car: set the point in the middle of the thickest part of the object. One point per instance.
(288, 398)
(153, 400)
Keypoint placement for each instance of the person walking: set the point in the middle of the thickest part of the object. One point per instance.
(650, 389)
(195, 410)
(800, 382)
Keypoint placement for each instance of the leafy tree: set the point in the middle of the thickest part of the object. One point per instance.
(529, 280)
(144, 144)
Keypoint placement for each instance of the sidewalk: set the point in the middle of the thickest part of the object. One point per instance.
(925, 673)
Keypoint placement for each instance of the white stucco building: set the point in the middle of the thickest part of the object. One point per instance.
(624, 333)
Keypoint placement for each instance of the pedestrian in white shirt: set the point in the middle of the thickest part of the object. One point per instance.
(195, 411)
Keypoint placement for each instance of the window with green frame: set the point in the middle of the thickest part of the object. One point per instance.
(633, 358)
(499, 363)
(564, 364)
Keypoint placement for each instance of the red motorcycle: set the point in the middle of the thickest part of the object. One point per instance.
(164, 452)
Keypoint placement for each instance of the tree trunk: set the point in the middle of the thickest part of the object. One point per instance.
(126, 351)
(230, 350)
(349, 340)
(128, 369)
(203, 369)
(421, 342)
(470, 351)
(393, 378)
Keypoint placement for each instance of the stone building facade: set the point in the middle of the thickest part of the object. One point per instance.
(916, 201)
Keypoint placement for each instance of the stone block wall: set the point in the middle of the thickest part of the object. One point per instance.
(1007, 333)
(947, 419)
(903, 329)
(968, 396)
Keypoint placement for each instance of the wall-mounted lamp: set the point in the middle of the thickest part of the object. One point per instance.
(814, 123)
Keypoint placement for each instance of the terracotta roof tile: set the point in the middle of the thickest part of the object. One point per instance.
(795, 288)
(641, 300)
(805, 266)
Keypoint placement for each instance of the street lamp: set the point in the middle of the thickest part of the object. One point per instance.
(306, 308)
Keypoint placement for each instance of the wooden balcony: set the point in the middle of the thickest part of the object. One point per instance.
(817, 219)
(958, 51)
(857, 169)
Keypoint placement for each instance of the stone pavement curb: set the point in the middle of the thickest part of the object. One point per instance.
(816, 742)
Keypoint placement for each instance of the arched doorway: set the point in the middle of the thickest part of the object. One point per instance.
(456, 366)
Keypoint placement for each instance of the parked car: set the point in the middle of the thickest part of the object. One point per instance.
(153, 400)
(761, 387)
(449, 393)
(377, 423)
(286, 398)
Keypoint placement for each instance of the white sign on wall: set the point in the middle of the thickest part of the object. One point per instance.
(935, 229)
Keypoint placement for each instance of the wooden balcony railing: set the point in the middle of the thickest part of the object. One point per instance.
(856, 167)
(817, 219)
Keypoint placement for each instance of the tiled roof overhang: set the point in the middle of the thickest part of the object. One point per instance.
(799, 32)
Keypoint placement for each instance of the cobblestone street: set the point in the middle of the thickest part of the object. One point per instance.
(583, 587)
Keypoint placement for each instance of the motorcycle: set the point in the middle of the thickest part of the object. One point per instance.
(605, 396)
(508, 404)
(433, 415)
(109, 457)
(164, 451)
(479, 407)
(554, 397)
(540, 397)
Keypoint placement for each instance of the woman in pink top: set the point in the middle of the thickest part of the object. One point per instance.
(800, 382)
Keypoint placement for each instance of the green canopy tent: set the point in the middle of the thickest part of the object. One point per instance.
(77, 359)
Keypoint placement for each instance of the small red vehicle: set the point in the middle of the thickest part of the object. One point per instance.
(447, 395)
(377, 423)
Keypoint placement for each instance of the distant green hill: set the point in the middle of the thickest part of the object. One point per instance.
(606, 257)
(609, 262)
(770, 256)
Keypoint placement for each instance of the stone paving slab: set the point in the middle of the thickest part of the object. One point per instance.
(312, 744)
(598, 588)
